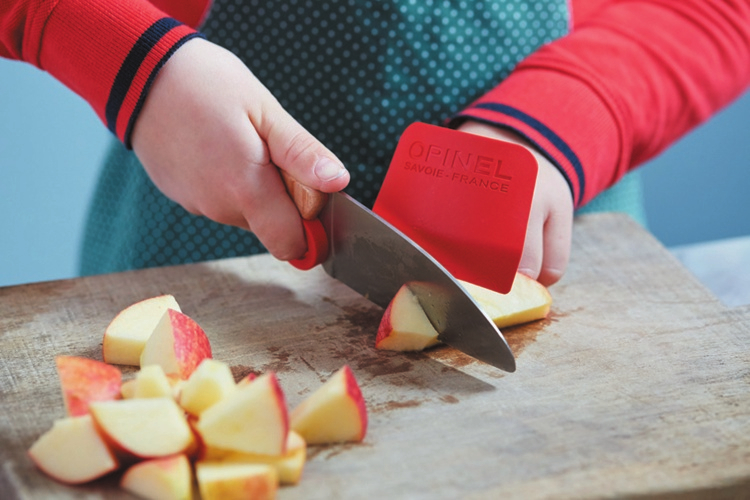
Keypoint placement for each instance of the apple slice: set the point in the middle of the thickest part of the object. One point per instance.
(85, 380)
(334, 413)
(151, 382)
(209, 383)
(289, 466)
(528, 300)
(72, 451)
(127, 390)
(252, 419)
(178, 344)
(405, 326)
(144, 428)
(128, 332)
(160, 478)
(228, 480)
(154, 385)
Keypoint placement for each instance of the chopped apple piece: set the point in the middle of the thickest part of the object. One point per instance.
(151, 382)
(252, 419)
(178, 344)
(144, 428)
(334, 413)
(127, 390)
(228, 480)
(405, 326)
(72, 451)
(211, 382)
(528, 300)
(85, 380)
(168, 478)
(153, 386)
(126, 335)
(289, 465)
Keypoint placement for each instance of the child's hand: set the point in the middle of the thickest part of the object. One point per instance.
(211, 137)
(548, 236)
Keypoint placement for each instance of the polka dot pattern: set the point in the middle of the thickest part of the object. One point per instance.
(354, 73)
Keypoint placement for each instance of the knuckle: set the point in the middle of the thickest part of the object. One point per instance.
(300, 145)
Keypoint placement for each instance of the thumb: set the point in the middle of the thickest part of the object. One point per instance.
(293, 149)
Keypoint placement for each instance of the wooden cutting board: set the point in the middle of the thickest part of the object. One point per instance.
(637, 385)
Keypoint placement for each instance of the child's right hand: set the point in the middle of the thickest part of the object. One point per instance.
(211, 137)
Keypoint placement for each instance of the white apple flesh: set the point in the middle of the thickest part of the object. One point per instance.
(73, 452)
(334, 413)
(178, 344)
(404, 325)
(168, 478)
(126, 335)
(252, 419)
(144, 428)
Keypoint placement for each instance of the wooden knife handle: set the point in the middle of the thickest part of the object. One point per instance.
(309, 201)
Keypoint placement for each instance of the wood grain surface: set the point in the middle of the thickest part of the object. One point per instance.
(636, 386)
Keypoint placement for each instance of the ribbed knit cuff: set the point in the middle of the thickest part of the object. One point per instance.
(564, 118)
(109, 53)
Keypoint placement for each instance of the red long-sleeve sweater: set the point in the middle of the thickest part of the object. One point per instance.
(630, 78)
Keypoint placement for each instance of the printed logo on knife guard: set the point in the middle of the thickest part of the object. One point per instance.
(462, 166)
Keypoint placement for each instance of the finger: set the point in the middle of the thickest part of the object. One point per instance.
(532, 256)
(272, 215)
(295, 150)
(558, 231)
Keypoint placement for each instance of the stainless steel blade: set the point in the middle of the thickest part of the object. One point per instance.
(375, 259)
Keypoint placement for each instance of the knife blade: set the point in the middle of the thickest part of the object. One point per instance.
(375, 259)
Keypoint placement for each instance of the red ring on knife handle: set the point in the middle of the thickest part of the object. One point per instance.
(317, 245)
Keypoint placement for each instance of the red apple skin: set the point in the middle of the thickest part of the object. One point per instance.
(281, 399)
(386, 327)
(355, 393)
(192, 345)
(84, 380)
(247, 379)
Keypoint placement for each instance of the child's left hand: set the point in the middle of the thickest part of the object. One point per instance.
(548, 235)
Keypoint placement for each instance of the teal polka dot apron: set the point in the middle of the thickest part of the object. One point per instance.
(354, 73)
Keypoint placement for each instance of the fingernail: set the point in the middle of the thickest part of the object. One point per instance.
(328, 170)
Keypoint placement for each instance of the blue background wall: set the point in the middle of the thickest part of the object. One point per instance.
(51, 145)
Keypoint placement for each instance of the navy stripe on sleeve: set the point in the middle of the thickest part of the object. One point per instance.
(130, 66)
(548, 134)
(150, 80)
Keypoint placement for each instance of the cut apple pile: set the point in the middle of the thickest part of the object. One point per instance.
(182, 424)
(405, 326)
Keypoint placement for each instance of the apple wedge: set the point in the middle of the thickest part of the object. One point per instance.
(84, 380)
(211, 382)
(126, 335)
(334, 413)
(160, 479)
(178, 344)
(289, 466)
(144, 428)
(528, 300)
(72, 451)
(405, 326)
(151, 382)
(228, 480)
(252, 419)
